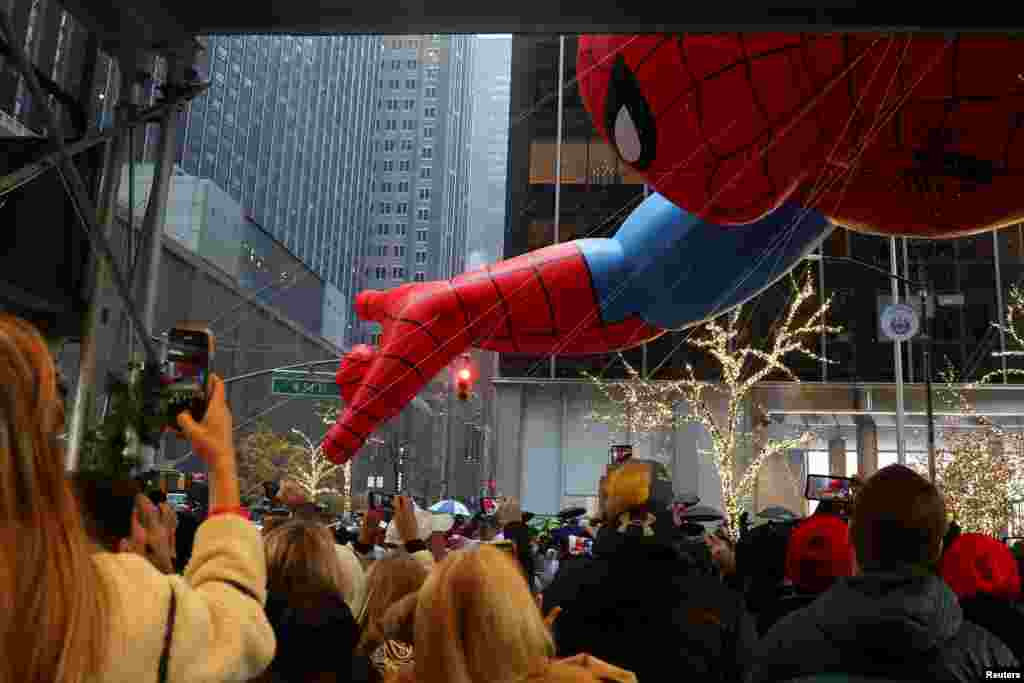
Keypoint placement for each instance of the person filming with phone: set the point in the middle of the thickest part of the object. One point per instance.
(70, 610)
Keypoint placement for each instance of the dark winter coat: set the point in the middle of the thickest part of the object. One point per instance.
(633, 605)
(998, 616)
(899, 624)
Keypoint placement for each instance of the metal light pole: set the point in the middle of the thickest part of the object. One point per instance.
(926, 290)
(927, 357)
(901, 456)
(558, 160)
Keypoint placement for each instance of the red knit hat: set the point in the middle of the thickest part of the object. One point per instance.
(976, 563)
(818, 552)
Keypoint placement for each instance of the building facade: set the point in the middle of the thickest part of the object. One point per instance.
(421, 162)
(489, 184)
(283, 131)
(420, 216)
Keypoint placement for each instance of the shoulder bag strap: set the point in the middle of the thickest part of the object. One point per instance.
(165, 655)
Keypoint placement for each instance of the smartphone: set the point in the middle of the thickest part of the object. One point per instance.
(186, 373)
(580, 545)
(381, 501)
(826, 487)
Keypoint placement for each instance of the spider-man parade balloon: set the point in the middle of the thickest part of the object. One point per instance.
(756, 145)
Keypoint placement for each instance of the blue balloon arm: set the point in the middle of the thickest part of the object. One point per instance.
(674, 270)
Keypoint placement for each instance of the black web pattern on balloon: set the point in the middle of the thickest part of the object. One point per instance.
(803, 76)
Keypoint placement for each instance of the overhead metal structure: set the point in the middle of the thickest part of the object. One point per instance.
(165, 25)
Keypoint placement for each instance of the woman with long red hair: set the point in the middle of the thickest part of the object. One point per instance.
(71, 612)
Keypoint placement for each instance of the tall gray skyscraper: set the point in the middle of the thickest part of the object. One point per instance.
(488, 188)
(421, 162)
(283, 131)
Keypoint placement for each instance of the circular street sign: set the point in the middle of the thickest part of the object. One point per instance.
(899, 322)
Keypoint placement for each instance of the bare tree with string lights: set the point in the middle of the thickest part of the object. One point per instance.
(640, 403)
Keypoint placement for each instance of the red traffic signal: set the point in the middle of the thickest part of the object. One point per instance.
(463, 383)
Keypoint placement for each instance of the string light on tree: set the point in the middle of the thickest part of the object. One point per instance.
(642, 404)
(313, 472)
(979, 466)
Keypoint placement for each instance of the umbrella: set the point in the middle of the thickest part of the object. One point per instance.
(702, 513)
(778, 513)
(451, 507)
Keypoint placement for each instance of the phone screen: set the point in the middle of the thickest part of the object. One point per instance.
(580, 545)
(185, 374)
(825, 487)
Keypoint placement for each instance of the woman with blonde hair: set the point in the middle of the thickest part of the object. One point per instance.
(72, 613)
(384, 640)
(476, 622)
(306, 587)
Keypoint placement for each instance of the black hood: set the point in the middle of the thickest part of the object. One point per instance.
(877, 609)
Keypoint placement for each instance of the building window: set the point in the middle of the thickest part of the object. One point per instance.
(430, 112)
(428, 131)
(383, 228)
(382, 273)
(402, 209)
(410, 84)
(382, 251)
(421, 235)
(391, 124)
(406, 145)
(392, 105)
(389, 146)
(432, 72)
(385, 208)
(389, 165)
(427, 153)
(425, 172)
(394, 84)
(411, 64)
(396, 64)
(405, 165)
(398, 273)
(403, 186)
(420, 277)
(421, 257)
(409, 124)
(376, 124)
(423, 214)
(424, 193)
(386, 187)
(375, 481)
(400, 229)
(400, 251)
(407, 105)
(431, 92)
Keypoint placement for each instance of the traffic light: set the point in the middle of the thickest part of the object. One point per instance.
(463, 384)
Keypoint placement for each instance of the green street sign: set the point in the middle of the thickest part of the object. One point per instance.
(303, 384)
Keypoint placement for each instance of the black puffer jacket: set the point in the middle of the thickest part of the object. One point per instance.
(897, 624)
(1000, 617)
(633, 605)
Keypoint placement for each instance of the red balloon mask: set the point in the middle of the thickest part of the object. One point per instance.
(916, 135)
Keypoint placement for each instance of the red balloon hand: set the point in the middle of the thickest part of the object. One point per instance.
(352, 369)
(420, 337)
(507, 307)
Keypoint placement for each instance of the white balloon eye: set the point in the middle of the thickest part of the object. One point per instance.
(627, 138)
